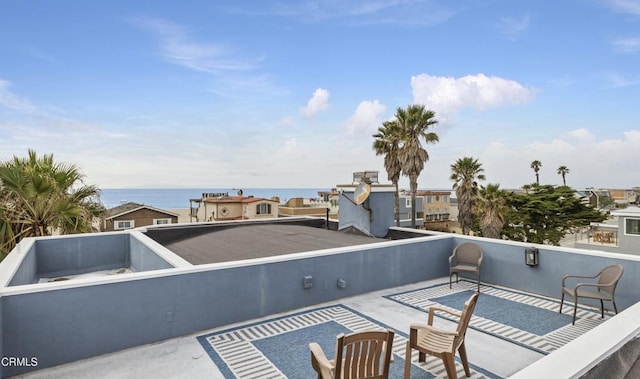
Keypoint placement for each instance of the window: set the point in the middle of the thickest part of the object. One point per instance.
(263, 209)
(161, 221)
(632, 226)
(123, 224)
(408, 202)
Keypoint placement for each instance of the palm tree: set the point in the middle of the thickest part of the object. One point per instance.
(39, 196)
(563, 170)
(535, 165)
(465, 172)
(491, 208)
(414, 123)
(388, 142)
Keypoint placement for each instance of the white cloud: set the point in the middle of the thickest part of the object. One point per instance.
(366, 120)
(617, 80)
(13, 101)
(179, 48)
(318, 102)
(608, 163)
(582, 135)
(366, 12)
(287, 121)
(448, 95)
(627, 45)
(514, 26)
(624, 6)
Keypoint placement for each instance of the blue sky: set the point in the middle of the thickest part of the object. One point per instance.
(288, 93)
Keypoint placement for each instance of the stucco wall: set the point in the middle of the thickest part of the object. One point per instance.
(374, 217)
(142, 258)
(63, 324)
(86, 321)
(504, 265)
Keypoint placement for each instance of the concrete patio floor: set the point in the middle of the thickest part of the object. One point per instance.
(185, 357)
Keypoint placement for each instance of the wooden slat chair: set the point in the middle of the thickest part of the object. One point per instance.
(441, 343)
(603, 289)
(359, 355)
(467, 258)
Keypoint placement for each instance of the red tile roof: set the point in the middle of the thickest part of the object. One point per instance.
(236, 199)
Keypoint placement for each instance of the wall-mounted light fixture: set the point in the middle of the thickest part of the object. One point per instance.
(531, 256)
(307, 282)
(342, 283)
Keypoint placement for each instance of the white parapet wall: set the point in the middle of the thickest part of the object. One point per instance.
(579, 356)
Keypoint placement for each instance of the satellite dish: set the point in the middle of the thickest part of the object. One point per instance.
(361, 193)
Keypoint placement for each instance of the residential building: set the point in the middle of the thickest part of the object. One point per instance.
(436, 209)
(132, 215)
(299, 206)
(222, 207)
(623, 197)
(404, 210)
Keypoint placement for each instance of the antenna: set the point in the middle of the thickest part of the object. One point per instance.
(361, 193)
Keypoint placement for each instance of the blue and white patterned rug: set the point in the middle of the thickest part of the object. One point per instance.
(525, 319)
(279, 348)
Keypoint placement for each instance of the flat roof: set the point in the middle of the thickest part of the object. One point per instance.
(252, 241)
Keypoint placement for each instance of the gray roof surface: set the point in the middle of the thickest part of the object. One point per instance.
(257, 241)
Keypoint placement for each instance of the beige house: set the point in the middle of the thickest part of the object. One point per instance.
(132, 215)
(221, 207)
(436, 208)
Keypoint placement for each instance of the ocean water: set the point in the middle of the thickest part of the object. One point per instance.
(178, 198)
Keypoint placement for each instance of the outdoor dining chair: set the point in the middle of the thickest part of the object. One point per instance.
(603, 289)
(359, 355)
(466, 258)
(441, 343)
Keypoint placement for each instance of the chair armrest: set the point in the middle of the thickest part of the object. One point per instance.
(451, 260)
(587, 285)
(434, 329)
(435, 308)
(578, 276)
(318, 357)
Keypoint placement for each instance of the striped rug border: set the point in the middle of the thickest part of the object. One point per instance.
(232, 351)
(586, 319)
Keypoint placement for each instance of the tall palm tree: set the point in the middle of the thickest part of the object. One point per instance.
(491, 208)
(414, 123)
(39, 196)
(465, 173)
(535, 165)
(563, 170)
(388, 142)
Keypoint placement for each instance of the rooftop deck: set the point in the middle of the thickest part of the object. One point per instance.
(491, 354)
(171, 318)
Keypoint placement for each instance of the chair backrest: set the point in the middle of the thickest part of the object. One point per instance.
(468, 253)
(609, 277)
(365, 354)
(465, 318)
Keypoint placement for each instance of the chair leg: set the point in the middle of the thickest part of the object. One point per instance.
(561, 301)
(450, 276)
(614, 306)
(478, 282)
(422, 357)
(407, 361)
(601, 308)
(575, 309)
(450, 366)
(463, 357)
